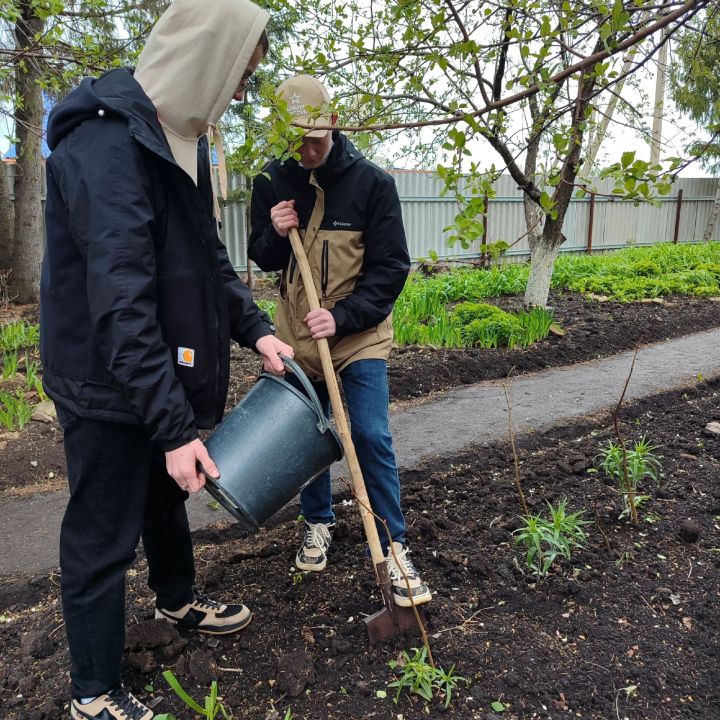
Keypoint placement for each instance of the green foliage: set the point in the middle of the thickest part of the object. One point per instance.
(637, 273)
(17, 335)
(428, 319)
(15, 411)
(695, 84)
(642, 464)
(544, 540)
(418, 677)
(268, 306)
(10, 364)
(211, 708)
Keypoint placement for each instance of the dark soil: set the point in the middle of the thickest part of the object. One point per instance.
(592, 329)
(630, 629)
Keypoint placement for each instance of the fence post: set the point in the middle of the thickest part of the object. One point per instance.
(677, 216)
(588, 249)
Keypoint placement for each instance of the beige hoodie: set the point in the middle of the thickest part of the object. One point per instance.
(192, 65)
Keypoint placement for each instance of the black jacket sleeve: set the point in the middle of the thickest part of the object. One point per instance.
(265, 247)
(247, 322)
(386, 263)
(111, 218)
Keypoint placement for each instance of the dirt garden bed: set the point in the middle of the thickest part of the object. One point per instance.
(632, 632)
(33, 459)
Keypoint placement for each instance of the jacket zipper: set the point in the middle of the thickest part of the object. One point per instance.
(325, 269)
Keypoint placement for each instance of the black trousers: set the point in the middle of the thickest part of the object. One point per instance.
(119, 491)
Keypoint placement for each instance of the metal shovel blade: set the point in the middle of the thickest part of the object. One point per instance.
(386, 624)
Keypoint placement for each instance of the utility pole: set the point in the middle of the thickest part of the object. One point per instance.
(656, 141)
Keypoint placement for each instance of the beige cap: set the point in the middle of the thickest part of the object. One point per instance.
(301, 92)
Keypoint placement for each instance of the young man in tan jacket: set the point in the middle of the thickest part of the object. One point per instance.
(348, 213)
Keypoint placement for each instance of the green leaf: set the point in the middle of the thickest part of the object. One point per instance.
(627, 158)
(382, 694)
(497, 706)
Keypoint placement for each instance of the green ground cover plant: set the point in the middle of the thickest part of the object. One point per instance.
(20, 376)
(417, 676)
(445, 310)
(545, 539)
(638, 464)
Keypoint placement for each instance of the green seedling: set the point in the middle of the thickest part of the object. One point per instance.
(545, 540)
(419, 677)
(641, 464)
(211, 708)
(15, 411)
(19, 334)
(10, 364)
(497, 706)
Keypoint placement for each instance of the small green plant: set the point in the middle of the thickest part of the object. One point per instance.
(10, 364)
(268, 306)
(212, 707)
(419, 677)
(641, 464)
(18, 334)
(15, 411)
(545, 540)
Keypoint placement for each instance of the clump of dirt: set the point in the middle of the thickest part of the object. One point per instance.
(628, 629)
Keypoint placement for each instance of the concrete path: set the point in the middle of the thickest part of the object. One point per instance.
(439, 426)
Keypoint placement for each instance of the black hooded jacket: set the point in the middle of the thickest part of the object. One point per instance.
(359, 198)
(138, 297)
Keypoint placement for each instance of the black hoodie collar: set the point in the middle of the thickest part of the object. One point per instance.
(115, 92)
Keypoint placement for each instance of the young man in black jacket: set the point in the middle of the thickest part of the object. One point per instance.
(138, 305)
(348, 214)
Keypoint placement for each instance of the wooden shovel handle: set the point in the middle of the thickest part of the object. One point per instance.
(341, 422)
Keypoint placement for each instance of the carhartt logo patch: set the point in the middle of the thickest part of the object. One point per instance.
(186, 357)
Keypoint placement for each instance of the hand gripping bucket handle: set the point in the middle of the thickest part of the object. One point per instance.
(273, 443)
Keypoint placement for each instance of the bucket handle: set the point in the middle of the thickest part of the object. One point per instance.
(323, 422)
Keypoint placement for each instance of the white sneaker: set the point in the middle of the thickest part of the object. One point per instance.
(419, 590)
(312, 555)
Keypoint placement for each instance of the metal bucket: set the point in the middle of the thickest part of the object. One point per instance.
(273, 443)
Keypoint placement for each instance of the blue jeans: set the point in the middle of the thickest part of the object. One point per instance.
(365, 385)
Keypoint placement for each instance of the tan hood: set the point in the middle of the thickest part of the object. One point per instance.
(192, 64)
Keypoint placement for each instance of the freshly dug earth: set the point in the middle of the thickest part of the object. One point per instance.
(625, 631)
(592, 329)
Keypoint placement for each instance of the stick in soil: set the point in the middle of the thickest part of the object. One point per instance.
(626, 480)
(418, 619)
(518, 486)
(598, 524)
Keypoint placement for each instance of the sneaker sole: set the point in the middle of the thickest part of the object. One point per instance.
(317, 567)
(425, 597)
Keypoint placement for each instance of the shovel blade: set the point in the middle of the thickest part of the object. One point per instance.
(384, 625)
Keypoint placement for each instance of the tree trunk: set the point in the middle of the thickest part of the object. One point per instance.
(28, 170)
(714, 212)
(7, 219)
(543, 253)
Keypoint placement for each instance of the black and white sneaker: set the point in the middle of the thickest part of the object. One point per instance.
(312, 555)
(419, 590)
(116, 705)
(207, 615)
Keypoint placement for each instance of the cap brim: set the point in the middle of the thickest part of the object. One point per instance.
(184, 150)
(315, 121)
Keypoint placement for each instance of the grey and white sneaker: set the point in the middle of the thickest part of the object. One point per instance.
(208, 616)
(312, 555)
(115, 705)
(420, 591)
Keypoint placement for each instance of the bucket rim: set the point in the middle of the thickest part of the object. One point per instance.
(324, 423)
